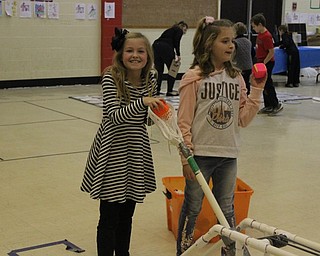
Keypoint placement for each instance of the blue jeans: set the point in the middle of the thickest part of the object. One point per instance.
(223, 172)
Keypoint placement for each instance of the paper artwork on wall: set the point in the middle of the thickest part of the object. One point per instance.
(39, 9)
(92, 11)
(109, 10)
(80, 11)
(53, 10)
(304, 18)
(11, 7)
(317, 19)
(25, 9)
(312, 19)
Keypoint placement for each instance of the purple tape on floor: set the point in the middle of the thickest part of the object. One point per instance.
(70, 247)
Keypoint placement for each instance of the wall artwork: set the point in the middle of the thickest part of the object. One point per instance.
(80, 11)
(109, 10)
(92, 11)
(39, 9)
(53, 10)
(25, 9)
(10, 7)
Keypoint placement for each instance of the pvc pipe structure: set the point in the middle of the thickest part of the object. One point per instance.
(261, 245)
(248, 222)
(212, 201)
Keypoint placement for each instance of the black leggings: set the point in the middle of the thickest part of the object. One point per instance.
(114, 228)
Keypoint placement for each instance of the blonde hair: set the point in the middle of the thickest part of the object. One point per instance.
(205, 35)
(119, 71)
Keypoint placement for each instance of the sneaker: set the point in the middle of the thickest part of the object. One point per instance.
(276, 110)
(296, 85)
(289, 85)
(265, 110)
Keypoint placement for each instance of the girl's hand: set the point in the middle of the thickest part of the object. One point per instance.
(258, 82)
(152, 102)
(188, 173)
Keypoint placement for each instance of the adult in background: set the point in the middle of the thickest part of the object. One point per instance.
(244, 53)
(166, 49)
(293, 64)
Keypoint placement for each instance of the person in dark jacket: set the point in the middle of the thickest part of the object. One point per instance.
(293, 63)
(166, 49)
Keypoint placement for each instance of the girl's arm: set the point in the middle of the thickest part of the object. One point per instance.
(188, 89)
(249, 105)
(114, 109)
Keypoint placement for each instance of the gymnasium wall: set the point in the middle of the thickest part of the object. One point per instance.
(303, 9)
(38, 48)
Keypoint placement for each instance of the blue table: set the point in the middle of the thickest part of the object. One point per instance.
(309, 57)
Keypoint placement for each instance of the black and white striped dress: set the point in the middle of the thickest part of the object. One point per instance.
(119, 165)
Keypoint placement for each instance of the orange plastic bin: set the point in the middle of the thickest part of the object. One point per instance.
(174, 198)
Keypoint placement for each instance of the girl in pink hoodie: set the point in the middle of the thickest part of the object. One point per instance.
(213, 106)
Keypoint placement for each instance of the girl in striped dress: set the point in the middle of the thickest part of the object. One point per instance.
(119, 170)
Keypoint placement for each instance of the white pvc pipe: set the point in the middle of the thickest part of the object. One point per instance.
(260, 245)
(275, 231)
(212, 201)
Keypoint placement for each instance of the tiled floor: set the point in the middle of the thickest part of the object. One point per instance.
(45, 137)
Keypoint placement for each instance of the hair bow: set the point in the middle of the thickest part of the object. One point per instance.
(209, 20)
(118, 38)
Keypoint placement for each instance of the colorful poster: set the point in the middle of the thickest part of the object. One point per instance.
(53, 10)
(92, 12)
(25, 9)
(80, 11)
(39, 9)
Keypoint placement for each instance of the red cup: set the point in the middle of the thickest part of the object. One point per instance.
(162, 110)
(259, 70)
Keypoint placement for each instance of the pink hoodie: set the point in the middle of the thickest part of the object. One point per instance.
(211, 111)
